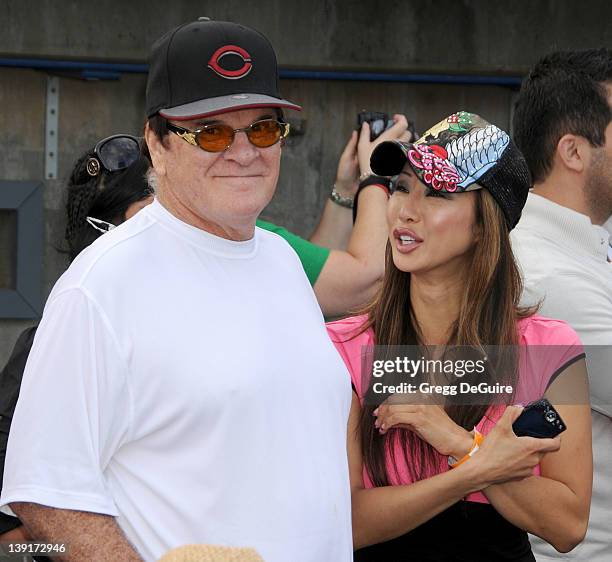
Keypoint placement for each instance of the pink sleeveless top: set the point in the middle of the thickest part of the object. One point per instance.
(535, 374)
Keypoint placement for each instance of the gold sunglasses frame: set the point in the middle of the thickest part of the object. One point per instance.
(191, 136)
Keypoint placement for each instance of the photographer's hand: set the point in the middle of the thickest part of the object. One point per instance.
(365, 146)
(336, 223)
(347, 174)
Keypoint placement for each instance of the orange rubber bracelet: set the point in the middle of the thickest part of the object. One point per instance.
(478, 439)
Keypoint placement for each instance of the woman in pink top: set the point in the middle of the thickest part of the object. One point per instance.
(451, 279)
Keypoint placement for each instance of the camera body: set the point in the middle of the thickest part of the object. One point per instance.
(539, 419)
(378, 121)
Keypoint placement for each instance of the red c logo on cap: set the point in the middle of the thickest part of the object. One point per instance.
(215, 62)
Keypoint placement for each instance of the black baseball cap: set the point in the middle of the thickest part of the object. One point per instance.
(209, 67)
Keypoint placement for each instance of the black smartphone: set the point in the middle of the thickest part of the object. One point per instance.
(377, 120)
(539, 419)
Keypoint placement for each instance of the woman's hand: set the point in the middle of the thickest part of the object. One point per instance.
(430, 422)
(503, 456)
(365, 146)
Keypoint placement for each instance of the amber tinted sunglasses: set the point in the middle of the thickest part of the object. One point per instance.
(219, 137)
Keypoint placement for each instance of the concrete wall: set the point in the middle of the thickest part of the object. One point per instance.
(447, 36)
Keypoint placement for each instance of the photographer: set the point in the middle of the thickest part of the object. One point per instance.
(353, 268)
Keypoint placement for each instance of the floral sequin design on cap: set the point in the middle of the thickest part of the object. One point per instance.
(437, 171)
(463, 152)
(460, 122)
(456, 152)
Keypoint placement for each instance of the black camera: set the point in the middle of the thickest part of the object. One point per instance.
(539, 419)
(379, 122)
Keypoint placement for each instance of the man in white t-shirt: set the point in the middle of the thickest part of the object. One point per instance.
(182, 387)
(563, 125)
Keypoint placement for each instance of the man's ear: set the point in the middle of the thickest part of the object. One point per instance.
(156, 149)
(574, 152)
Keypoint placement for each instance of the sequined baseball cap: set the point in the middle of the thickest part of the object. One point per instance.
(462, 153)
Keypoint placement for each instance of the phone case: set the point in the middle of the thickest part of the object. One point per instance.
(539, 419)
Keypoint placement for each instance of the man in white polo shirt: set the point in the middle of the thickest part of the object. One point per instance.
(563, 126)
(182, 387)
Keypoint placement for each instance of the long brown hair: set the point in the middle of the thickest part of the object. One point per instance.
(488, 315)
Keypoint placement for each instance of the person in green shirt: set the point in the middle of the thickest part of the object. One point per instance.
(313, 257)
(344, 261)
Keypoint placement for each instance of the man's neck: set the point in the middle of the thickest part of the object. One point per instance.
(565, 192)
(187, 215)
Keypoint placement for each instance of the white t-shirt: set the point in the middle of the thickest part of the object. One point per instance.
(186, 384)
(563, 259)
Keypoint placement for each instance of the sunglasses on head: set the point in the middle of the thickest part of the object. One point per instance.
(219, 137)
(113, 153)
